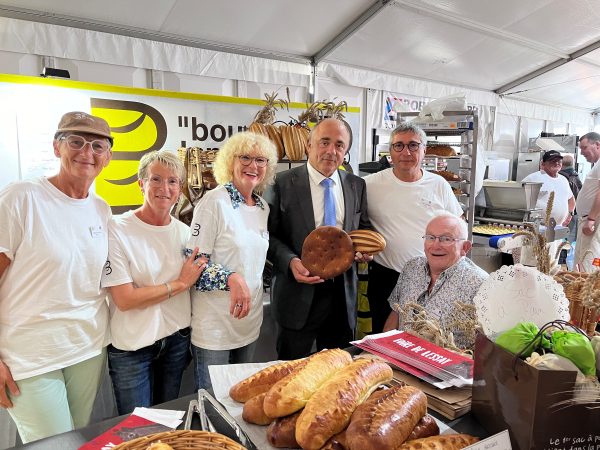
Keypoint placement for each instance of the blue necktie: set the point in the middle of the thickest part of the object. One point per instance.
(329, 212)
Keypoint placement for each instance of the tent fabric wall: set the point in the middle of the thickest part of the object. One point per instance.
(21, 36)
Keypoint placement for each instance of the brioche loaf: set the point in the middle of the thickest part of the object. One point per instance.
(386, 421)
(292, 392)
(337, 442)
(329, 410)
(282, 432)
(426, 427)
(441, 442)
(254, 412)
(367, 241)
(262, 380)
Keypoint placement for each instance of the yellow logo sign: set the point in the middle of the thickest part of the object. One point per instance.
(137, 129)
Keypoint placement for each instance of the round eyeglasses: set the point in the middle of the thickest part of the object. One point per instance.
(444, 240)
(411, 146)
(260, 161)
(157, 181)
(76, 142)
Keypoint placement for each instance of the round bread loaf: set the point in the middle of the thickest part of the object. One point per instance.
(327, 252)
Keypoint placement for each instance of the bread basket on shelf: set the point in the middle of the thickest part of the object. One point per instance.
(183, 440)
(583, 292)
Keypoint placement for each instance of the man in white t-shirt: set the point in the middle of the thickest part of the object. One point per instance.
(401, 201)
(563, 206)
(588, 206)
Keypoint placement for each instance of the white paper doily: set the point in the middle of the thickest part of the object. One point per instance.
(516, 294)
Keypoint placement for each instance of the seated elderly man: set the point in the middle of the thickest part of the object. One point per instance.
(441, 281)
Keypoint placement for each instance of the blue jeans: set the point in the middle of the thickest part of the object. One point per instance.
(150, 375)
(204, 358)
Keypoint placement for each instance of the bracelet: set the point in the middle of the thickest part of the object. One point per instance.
(169, 290)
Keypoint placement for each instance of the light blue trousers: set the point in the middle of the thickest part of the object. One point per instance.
(57, 401)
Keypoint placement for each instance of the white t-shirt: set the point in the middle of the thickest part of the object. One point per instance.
(236, 238)
(587, 194)
(400, 211)
(562, 194)
(53, 313)
(146, 255)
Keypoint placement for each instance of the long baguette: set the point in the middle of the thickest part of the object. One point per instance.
(386, 421)
(292, 392)
(441, 442)
(329, 410)
(262, 380)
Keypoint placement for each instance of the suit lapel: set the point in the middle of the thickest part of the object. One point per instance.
(301, 188)
(348, 190)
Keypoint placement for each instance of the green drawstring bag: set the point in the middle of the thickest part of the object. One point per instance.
(518, 339)
(575, 347)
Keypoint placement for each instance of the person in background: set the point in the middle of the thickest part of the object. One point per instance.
(568, 171)
(588, 206)
(402, 200)
(564, 202)
(149, 278)
(53, 313)
(442, 281)
(230, 228)
(306, 307)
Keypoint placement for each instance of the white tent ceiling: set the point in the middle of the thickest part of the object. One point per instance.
(544, 51)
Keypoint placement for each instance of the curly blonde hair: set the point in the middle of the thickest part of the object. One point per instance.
(245, 143)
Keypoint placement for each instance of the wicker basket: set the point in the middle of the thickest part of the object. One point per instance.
(183, 440)
(583, 292)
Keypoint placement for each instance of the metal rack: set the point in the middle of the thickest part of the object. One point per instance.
(463, 125)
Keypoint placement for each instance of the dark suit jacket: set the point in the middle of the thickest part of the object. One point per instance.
(291, 219)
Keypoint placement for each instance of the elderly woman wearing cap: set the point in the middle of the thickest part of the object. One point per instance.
(230, 227)
(53, 313)
(149, 279)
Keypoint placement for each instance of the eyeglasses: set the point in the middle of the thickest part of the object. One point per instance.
(444, 240)
(411, 146)
(76, 142)
(157, 181)
(260, 161)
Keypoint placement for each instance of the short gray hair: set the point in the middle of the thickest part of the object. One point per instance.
(408, 127)
(592, 136)
(166, 158)
(458, 221)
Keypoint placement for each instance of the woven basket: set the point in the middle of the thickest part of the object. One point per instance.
(183, 440)
(584, 309)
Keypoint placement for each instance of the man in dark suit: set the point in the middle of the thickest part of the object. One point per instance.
(306, 307)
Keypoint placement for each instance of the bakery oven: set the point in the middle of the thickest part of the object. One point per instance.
(509, 205)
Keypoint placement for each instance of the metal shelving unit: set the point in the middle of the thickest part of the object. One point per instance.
(463, 125)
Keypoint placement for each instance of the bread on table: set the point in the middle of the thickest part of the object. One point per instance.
(292, 392)
(441, 442)
(262, 380)
(387, 420)
(329, 410)
(282, 432)
(254, 412)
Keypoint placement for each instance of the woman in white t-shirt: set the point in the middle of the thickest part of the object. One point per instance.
(53, 314)
(230, 228)
(149, 277)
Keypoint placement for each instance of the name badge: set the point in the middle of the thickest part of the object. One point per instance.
(96, 231)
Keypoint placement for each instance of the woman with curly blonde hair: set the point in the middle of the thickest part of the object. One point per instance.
(230, 228)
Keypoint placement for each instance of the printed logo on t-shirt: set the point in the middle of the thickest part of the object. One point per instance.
(107, 268)
(196, 229)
